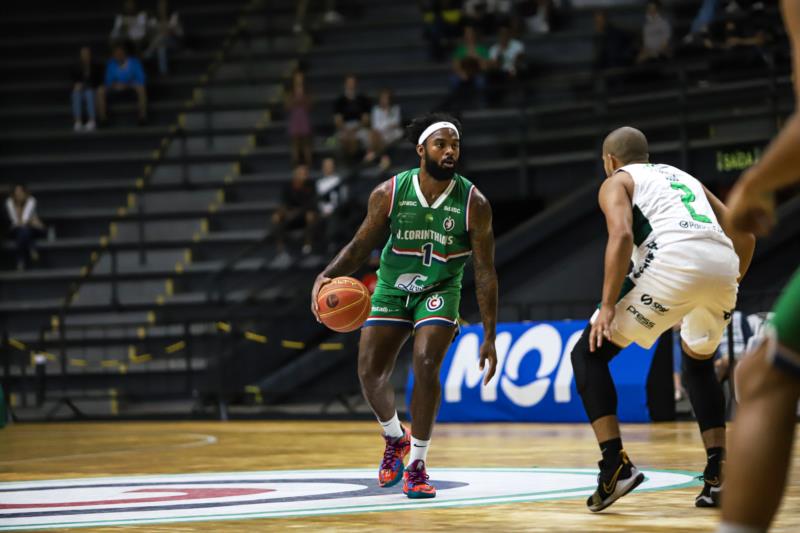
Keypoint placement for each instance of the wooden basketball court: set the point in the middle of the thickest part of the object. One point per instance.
(86, 450)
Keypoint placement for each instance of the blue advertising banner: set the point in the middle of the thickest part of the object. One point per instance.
(534, 380)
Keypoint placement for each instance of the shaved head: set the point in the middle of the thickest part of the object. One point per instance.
(626, 144)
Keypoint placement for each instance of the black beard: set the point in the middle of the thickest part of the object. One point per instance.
(437, 172)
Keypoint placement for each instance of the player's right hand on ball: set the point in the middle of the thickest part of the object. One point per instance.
(320, 282)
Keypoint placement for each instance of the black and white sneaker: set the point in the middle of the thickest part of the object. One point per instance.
(614, 483)
(711, 493)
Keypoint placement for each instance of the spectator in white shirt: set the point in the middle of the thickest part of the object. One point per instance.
(656, 34)
(506, 55)
(130, 25)
(335, 206)
(25, 225)
(387, 127)
(167, 35)
(505, 62)
(330, 192)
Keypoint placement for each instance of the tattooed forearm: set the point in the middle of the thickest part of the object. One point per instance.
(349, 259)
(372, 231)
(482, 239)
(486, 292)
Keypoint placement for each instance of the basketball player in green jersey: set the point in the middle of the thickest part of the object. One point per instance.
(768, 380)
(435, 220)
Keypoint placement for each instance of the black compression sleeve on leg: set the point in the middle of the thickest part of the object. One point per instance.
(705, 392)
(593, 379)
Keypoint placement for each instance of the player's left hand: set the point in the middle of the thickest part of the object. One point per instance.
(601, 327)
(750, 210)
(488, 353)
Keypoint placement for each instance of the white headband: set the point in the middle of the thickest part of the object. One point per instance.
(437, 126)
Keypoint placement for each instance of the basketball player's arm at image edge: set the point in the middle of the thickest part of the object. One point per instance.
(481, 236)
(778, 166)
(615, 202)
(372, 231)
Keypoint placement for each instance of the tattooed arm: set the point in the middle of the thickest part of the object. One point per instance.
(372, 231)
(481, 238)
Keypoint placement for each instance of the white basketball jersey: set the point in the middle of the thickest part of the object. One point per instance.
(669, 207)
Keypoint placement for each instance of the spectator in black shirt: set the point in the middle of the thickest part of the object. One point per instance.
(299, 208)
(351, 118)
(86, 76)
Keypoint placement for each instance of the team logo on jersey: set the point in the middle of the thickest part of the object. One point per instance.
(434, 302)
(449, 224)
(409, 282)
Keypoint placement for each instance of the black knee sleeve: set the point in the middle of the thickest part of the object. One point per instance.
(705, 392)
(593, 379)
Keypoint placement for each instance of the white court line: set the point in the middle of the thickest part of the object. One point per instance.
(203, 440)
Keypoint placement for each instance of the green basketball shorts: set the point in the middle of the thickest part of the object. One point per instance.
(785, 325)
(432, 308)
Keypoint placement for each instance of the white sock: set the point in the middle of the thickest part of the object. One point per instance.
(727, 527)
(419, 450)
(392, 427)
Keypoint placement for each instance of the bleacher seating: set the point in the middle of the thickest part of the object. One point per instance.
(162, 231)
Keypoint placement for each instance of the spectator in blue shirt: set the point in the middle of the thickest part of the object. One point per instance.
(124, 79)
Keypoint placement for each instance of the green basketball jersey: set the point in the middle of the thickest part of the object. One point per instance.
(429, 245)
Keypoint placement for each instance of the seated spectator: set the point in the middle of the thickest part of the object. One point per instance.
(86, 76)
(167, 35)
(334, 197)
(442, 25)
(351, 118)
(505, 62)
(470, 60)
(506, 54)
(124, 77)
(130, 26)
(25, 225)
(330, 190)
(387, 127)
(299, 208)
(298, 105)
(656, 34)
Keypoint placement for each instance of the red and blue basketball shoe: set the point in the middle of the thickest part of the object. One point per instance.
(391, 471)
(415, 482)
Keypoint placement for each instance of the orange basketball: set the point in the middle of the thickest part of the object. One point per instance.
(344, 304)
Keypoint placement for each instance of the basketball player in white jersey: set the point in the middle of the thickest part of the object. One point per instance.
(686, 269)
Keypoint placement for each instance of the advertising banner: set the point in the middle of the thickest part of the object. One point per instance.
(534, 381)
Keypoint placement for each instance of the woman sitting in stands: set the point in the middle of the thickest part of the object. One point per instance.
(387, 127)
(25, 225)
